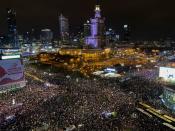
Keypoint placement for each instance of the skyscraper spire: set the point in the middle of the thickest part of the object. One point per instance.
(97, 9)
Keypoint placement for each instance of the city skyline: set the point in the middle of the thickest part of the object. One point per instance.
(149, 19)
(98, 65)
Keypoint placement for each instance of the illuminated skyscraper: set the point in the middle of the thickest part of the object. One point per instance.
(12, 31)
(96, 39)
(64, 28)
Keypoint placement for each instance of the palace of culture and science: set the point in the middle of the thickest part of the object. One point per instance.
(97, 28)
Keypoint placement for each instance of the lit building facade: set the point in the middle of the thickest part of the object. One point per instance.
(111, 36)
(64, 28)
(97, 28)
(127, 33)
(87, 29)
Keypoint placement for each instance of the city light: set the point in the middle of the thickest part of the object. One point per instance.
(95, 66)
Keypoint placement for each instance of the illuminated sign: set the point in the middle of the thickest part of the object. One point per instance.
(10, 52)
(110, 70)
(11, 57)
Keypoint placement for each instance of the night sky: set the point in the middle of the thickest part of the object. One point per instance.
(150, 19)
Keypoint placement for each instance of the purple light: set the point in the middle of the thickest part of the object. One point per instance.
(95, 40)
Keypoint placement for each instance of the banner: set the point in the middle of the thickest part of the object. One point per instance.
(11, 71)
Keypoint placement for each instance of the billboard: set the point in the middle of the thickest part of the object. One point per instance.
(10, 57)
(167, 73)
(11, 72)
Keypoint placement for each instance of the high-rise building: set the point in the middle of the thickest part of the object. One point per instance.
(126, 33)
(97, 25)
(64, 28)
(12, 31)
(87, 29)
(46, 36)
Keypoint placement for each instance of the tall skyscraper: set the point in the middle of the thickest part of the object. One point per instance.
(64, 28)
(12, 31)
(97, 25)
(87, 29)
(126, 33)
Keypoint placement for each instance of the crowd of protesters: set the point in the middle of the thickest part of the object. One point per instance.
(73, 102)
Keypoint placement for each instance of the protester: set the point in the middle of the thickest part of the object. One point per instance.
(76, 102)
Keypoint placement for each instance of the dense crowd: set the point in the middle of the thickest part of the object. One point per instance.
(75, 102)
